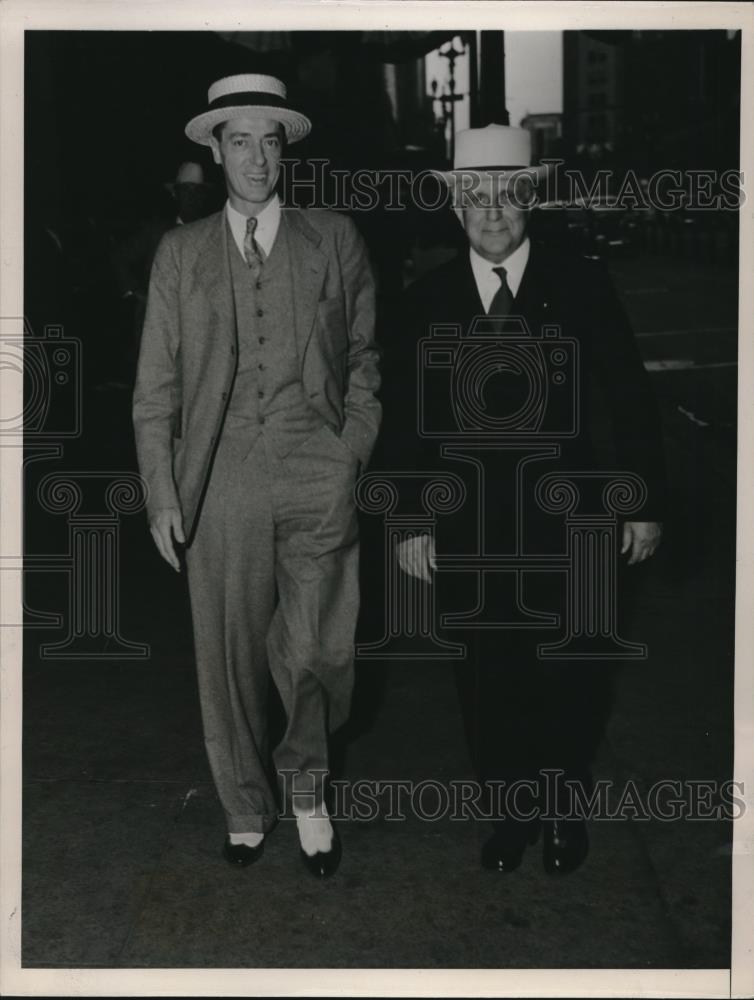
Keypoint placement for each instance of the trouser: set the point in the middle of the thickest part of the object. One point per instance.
(273, 581)
(527, 718)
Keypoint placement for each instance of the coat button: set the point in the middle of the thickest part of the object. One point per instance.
(260, 312)
(262, 340)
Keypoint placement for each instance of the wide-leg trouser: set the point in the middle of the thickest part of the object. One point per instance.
(273, 580)
(526, 716)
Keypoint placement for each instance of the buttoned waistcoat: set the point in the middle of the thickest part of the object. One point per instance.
(268, 395)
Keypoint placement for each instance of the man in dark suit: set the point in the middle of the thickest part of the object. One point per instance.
(254, 412)
(526, 717)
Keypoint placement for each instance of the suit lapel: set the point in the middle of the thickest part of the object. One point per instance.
(455, 297)
(212, 275)
(470, 305)
(309, 268)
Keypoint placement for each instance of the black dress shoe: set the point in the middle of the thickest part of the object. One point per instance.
(323, 864)
(241, 855)
(505, 848)
(565, 845)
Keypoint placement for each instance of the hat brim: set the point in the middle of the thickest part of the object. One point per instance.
(296, 125)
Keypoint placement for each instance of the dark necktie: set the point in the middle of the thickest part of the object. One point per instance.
(503, 300)
(251, 249)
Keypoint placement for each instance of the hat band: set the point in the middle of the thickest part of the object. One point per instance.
(497, 166)
(248, 97)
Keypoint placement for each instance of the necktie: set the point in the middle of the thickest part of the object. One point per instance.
(251, 249)
(503, 300)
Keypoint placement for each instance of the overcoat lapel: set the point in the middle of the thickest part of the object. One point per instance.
(467, 302)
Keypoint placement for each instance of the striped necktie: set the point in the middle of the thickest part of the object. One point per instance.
(251, 249)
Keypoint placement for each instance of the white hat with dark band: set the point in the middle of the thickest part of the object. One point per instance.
(249, 94)
(495, 149)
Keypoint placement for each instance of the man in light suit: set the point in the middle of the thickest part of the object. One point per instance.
(255, 412)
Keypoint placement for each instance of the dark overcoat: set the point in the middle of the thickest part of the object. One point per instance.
(617, 418)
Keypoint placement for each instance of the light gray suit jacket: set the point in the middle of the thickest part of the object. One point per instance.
(189, 348)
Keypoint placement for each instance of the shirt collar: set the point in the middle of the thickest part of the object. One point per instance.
(514, 265)
(268, 222)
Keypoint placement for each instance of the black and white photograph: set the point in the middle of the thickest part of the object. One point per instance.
(376, 568)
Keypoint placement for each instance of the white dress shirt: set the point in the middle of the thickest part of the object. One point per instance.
(268, 223)
(487, 282)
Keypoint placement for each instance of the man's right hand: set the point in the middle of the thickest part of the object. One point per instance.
(167, 526)
(416, 556)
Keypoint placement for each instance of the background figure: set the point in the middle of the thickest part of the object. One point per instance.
(186, 199)
(194, 197)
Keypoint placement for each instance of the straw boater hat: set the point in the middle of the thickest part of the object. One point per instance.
(250, 94)
(498, 150)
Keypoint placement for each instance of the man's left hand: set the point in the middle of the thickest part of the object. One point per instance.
(641, 538)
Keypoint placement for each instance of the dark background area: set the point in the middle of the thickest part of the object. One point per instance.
(105, 112)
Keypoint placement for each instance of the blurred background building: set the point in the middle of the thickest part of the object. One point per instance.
(107, 109)
(652, 100)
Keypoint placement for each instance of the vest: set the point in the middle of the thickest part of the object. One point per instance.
(268, 396)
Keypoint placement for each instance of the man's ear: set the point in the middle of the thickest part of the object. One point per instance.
(215, 150)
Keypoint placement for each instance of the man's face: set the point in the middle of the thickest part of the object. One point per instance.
(494, 215)
(249, 152)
